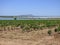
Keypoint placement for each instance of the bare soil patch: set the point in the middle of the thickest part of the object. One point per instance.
(39, 37)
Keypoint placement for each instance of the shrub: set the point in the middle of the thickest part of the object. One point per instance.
(59, 30)
(35, 26)
(17, 25)
(22, 26)
(49, 32)
(26, 29)
(56, 30)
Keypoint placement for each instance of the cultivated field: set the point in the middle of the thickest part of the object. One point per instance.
(29, 32)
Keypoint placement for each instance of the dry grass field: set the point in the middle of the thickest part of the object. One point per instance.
(16, 37)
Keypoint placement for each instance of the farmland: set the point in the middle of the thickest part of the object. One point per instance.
(28, 24)
(30, 32)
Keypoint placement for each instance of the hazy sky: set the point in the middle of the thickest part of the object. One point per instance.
(35, 7)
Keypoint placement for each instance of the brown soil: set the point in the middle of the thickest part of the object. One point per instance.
(40, 37)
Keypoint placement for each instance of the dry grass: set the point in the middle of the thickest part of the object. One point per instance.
(40, 37)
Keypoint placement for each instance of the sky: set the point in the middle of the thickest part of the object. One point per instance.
(26, 7)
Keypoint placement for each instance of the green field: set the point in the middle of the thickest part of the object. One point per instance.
(31, 22)
(27, 25)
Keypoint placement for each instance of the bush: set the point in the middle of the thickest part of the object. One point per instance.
(22, 26)
(49, 32)
(56, 30)
(59, 30)
(17, 25)
(26, 29)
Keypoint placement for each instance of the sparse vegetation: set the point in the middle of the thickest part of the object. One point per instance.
(49, 32)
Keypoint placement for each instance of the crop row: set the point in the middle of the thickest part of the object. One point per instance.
(28, 25)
